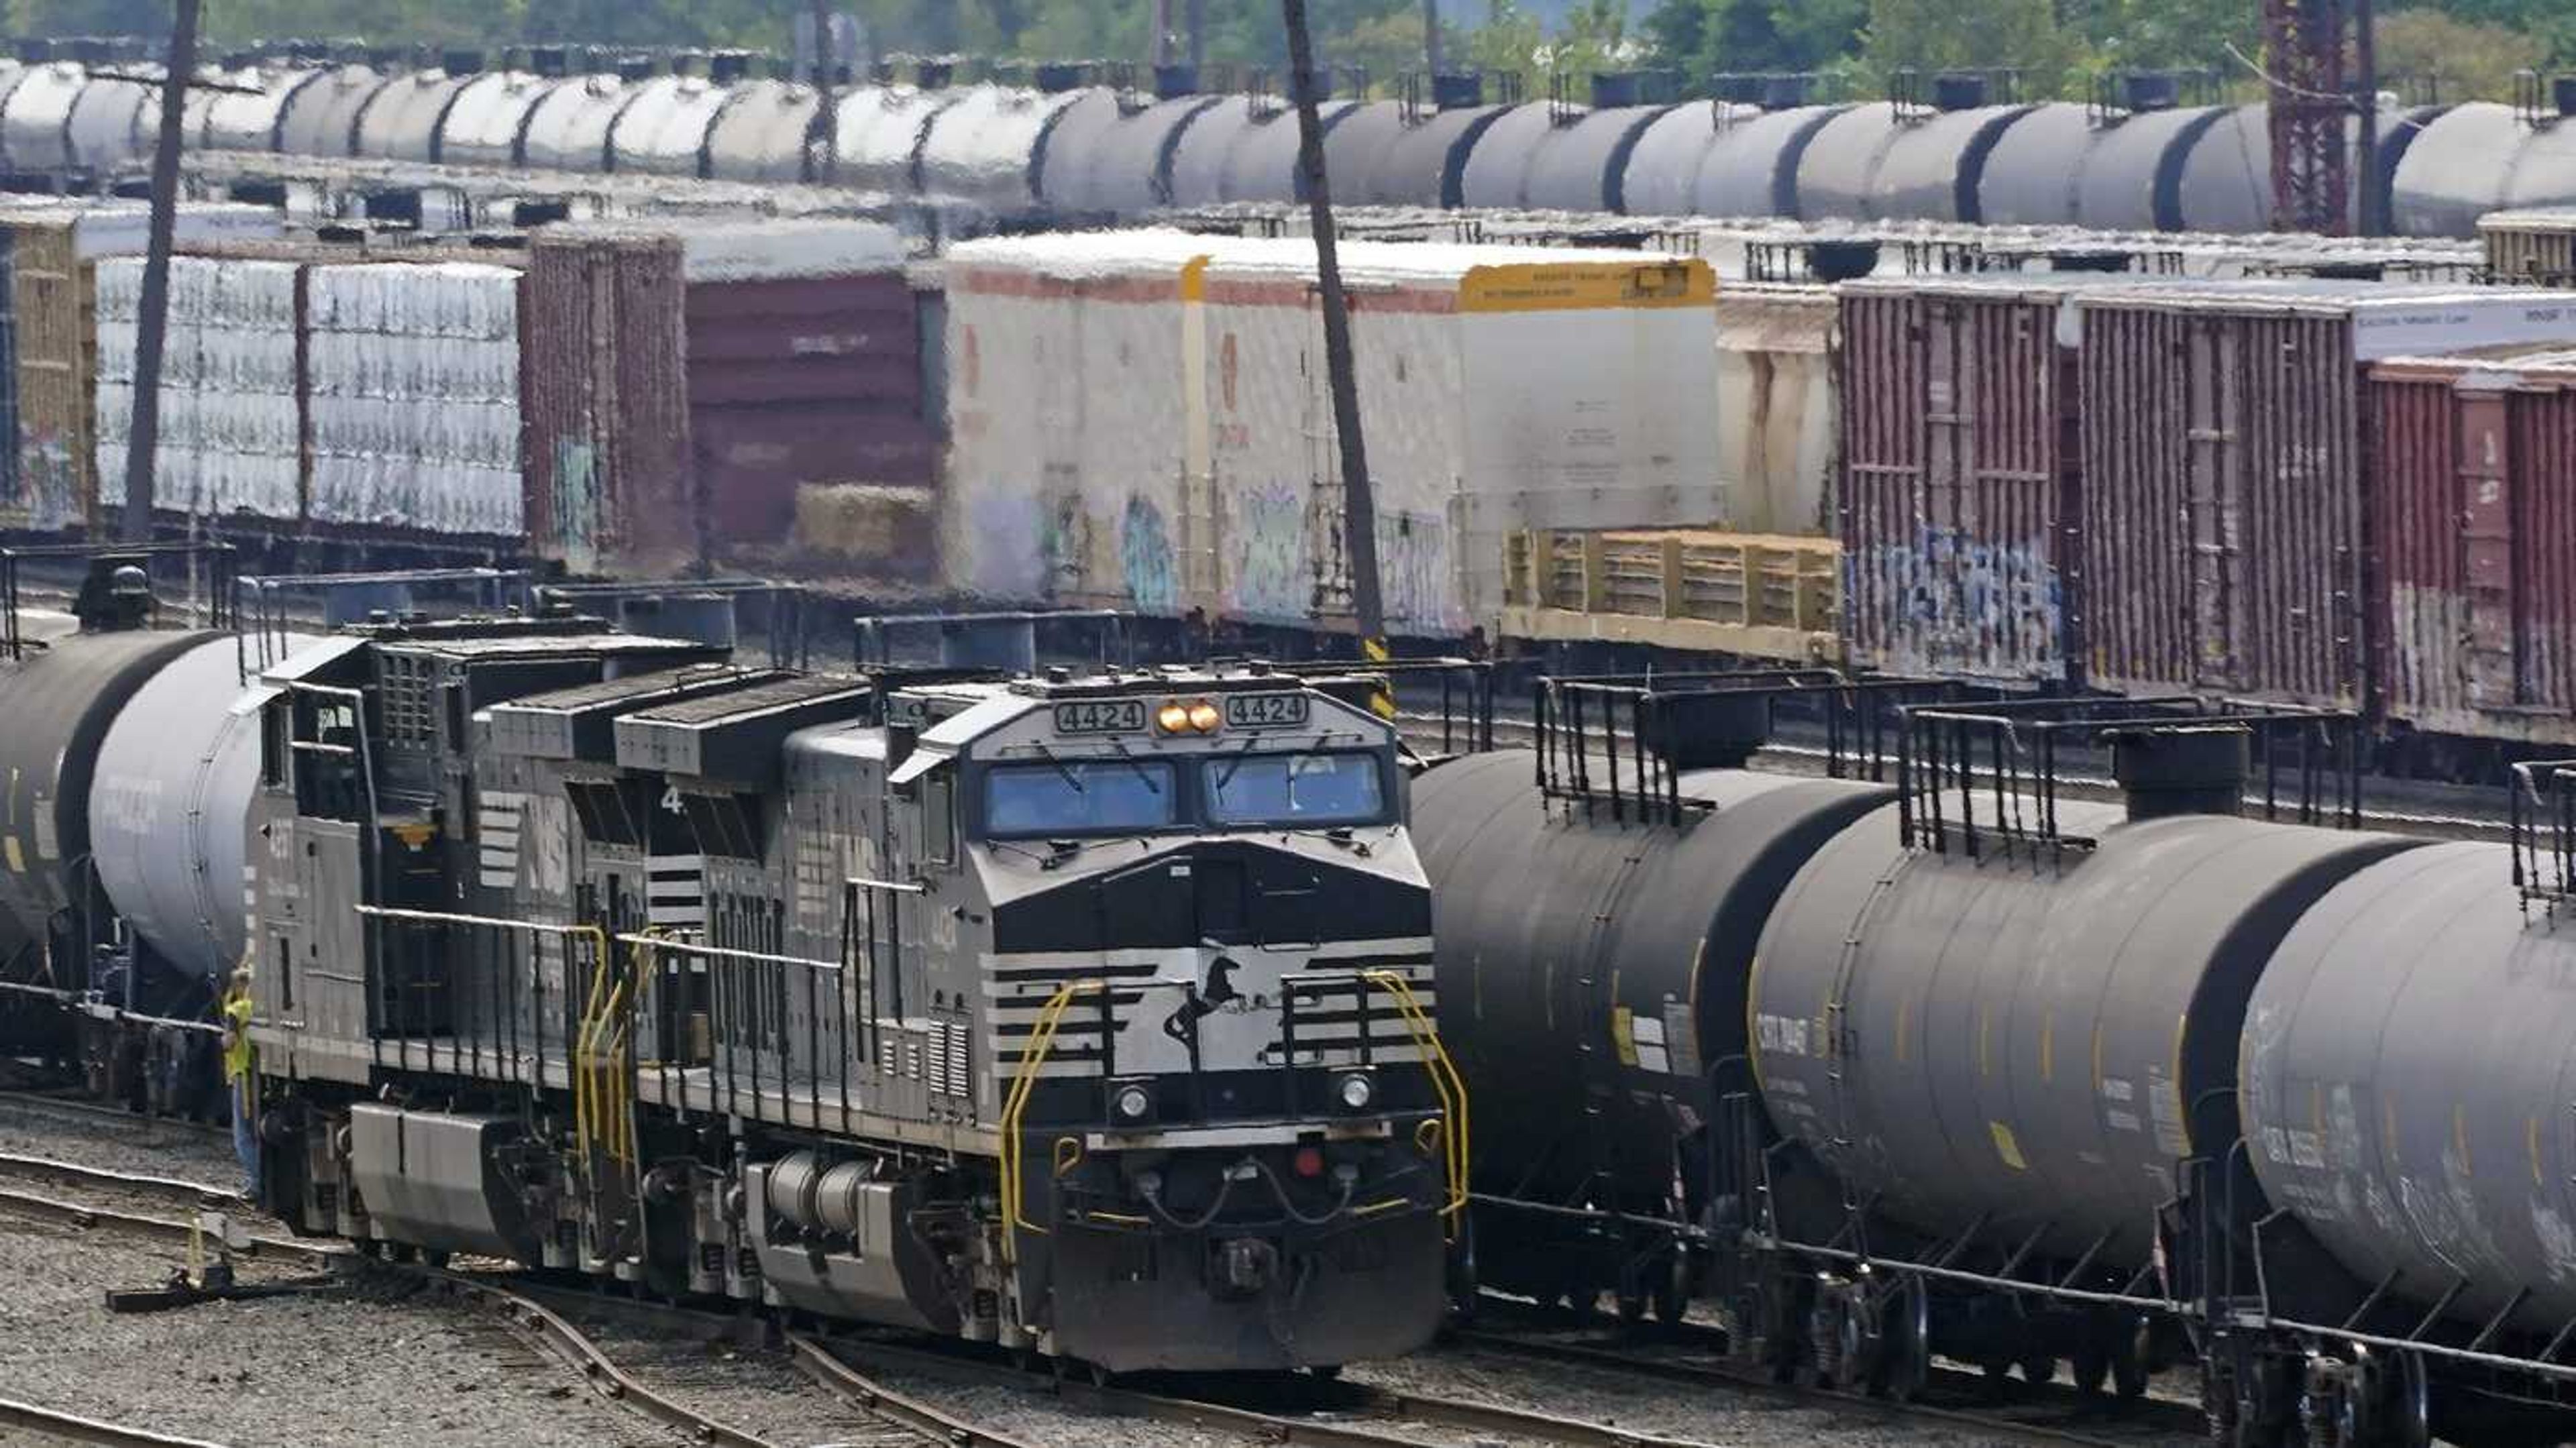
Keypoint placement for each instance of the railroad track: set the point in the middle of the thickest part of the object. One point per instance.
(68, 1106)
(525, 1312)
(1954, 1399)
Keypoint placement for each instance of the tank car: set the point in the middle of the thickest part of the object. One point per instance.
(1897, 160)
(35, 125)
(1403, 155)
(406, 116)
(568, 130)
(1112, 154)
(762, 132)
(1245, 148)
(663, 130)
(487, 122)
(247, 119)
(105, 130)
(1084, 1015)
(1576, 161)
(1645, 914)
(2406, 1113)
(320, 117)
(987, 147)
(1752, 169)
(879, 133)
(1661, 176)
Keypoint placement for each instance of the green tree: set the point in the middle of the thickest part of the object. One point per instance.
(2474, 60)
(1928, 36)
(1708, 38)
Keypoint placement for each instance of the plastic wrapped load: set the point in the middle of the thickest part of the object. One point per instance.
(230, 430)
(414, 374)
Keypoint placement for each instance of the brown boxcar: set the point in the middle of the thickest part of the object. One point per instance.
(805, 369)
(2475, 506)
(2225, 455)
(604, 338)
(1957, 406)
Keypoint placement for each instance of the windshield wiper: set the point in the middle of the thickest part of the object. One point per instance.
(1227, 776)
(1142, 772)
(1050, 757)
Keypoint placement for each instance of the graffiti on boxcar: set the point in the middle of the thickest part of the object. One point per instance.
(577, 503)
(48, 484)
(1956, 603)
(1413, 572)
(1272, 583)
(1145, 557)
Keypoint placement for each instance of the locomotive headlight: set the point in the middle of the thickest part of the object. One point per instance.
(1355, 1091)
(1173, 718)
(1131, 1103)
(1204, 717)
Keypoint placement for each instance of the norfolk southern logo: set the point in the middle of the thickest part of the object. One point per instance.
(1182, 1025)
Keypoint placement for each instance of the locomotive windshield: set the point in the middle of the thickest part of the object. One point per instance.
(1302, 790)
(1079, 797)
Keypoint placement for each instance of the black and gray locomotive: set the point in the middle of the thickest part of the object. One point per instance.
(1090, 1016)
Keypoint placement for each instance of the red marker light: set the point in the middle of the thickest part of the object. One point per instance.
(1310, 1161)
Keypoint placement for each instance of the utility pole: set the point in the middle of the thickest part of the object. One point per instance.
(823, 146)
(1359, 505)
(1431, 37)
(2365, 59)
(1198, 34)
(152, 326)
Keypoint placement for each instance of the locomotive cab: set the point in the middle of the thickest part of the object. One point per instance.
(1201, 942)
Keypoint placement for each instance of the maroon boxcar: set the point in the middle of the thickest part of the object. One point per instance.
(805, 368)
(1957, 408)
(611, 488)
(2475, 506)
(2226, 458)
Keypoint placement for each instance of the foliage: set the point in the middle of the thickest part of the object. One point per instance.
(2473, 60)
(2473, 44)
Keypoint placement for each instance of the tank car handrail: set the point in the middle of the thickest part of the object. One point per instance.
(2540, 808)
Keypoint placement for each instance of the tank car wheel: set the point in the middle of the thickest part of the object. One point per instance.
(2409, 1414)
(2130, 1350)
(1904, 1364)
(1671, 1288)
(1324, 1372)
(2091, 1365)
(2039, 1369)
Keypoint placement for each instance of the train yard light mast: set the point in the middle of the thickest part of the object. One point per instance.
(2303, 63)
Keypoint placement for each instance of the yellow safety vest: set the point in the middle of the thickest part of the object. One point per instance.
(237, 1047)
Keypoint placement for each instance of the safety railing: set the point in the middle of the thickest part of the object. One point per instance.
(268, 608)
(593, 1040)
(1623, 741)
(1991, 775)
(747, 1025)
(2541, 814)
(207, 580)
(1466, 712)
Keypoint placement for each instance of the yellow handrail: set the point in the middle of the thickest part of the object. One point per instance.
(1023, 1083)
(1445, 1080)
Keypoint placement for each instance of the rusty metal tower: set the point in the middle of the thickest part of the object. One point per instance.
(2303, 57)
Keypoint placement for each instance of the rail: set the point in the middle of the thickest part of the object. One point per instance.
(2012, 753)
(55, 1426)
(1754, 595)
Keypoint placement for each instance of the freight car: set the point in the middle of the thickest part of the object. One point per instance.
(1081, 145)
(1984, 1072)
(1014, 994)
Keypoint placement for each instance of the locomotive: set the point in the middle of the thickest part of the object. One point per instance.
(1088, 1016)
(1957, 1066)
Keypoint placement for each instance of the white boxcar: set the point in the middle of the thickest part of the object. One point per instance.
(230, 421)
(414, 377)
(1775, 407)
(1142, 420)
